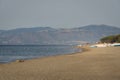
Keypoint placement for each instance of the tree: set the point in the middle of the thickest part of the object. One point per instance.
(111, 39)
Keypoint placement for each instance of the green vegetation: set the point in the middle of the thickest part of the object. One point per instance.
(111, 39)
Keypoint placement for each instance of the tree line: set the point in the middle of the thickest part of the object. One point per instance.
(111, 39)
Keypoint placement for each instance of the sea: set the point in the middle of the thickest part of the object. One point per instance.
(10, 53)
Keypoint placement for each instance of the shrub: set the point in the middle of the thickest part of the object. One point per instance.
(111, 39)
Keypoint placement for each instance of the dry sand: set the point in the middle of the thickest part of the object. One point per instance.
(95, 64)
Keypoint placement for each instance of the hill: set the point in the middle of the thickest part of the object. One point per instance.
(48, 35)
(111, 39)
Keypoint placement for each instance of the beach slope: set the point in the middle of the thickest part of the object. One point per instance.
(93, 64)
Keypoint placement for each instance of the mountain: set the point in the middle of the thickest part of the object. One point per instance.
(48, 35)
(95, 32)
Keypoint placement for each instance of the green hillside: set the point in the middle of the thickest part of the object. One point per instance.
(111, 39)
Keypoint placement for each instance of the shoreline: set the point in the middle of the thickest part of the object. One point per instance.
(52, 56)
(77, 50)
(90, 64)
(82, 50)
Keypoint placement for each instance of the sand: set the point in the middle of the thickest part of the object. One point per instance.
(93, 64)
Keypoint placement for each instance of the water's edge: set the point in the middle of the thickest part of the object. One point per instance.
(36, 57)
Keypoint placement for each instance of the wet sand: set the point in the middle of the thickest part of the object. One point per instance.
(92, 64)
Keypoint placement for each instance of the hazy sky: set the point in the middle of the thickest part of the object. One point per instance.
(58, 13)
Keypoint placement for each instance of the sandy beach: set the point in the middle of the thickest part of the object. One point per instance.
(93, 64)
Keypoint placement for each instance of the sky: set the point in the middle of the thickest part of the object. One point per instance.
(58, 13)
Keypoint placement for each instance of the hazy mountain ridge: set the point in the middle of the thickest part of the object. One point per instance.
(48, 35)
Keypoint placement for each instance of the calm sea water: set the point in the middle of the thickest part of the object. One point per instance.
(9, 53)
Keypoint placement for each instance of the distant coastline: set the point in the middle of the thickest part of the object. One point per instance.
(50, 36)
